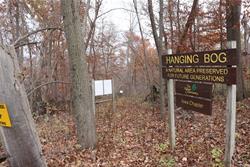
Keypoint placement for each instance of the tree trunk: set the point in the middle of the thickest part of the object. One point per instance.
(158, 43)
(233, 33)
(21, 140)
(81, 85)
(143, 44)
(221, 24)
(178, 21)
(17, 34)
(188, 25)
(170, 12)
(93, 23)
(153, 25)
(245, 28)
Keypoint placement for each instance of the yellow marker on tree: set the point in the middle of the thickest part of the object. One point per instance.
(4, 116)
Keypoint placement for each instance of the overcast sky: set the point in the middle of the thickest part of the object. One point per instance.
(119, 17)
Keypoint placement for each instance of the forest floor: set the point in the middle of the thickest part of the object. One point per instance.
(136, 136)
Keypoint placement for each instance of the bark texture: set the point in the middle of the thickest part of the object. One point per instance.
(158, 44)
(21, 140)
(81, 85)
(188, 25)
(234, 34)
(143, 44)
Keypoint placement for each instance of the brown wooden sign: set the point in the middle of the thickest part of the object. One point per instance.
(207, 58)
(194, 89)
(203, 106)
(225, 75)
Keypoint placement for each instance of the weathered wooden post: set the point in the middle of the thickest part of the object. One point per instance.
(171, 117)
(21, 140)
(230, 117)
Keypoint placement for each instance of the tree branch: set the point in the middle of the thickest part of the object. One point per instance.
(111, 10)
(44, 84)
(25, 43)
(92, 23)
(34, 32)
(153, 26)
(188, 24)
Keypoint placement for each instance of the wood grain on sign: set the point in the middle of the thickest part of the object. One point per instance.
(225, 75)
(203, 106)
(194, 89)
(207, 58)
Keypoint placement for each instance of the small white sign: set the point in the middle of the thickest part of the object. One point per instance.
(107, 87)
(99, 88)
(103, 87)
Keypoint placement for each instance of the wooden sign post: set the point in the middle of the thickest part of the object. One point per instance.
(198, 71)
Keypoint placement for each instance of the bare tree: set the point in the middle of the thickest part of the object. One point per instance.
(143, 44)
(158, 43)
(188, 25)
(170, 13)
(91, 32)
(81, 90)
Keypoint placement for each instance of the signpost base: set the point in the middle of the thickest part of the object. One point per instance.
(230, 118)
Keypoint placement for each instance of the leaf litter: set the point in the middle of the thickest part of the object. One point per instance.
(136, 136)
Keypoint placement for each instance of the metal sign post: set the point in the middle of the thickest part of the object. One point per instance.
(230, 118)
(171, 119)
